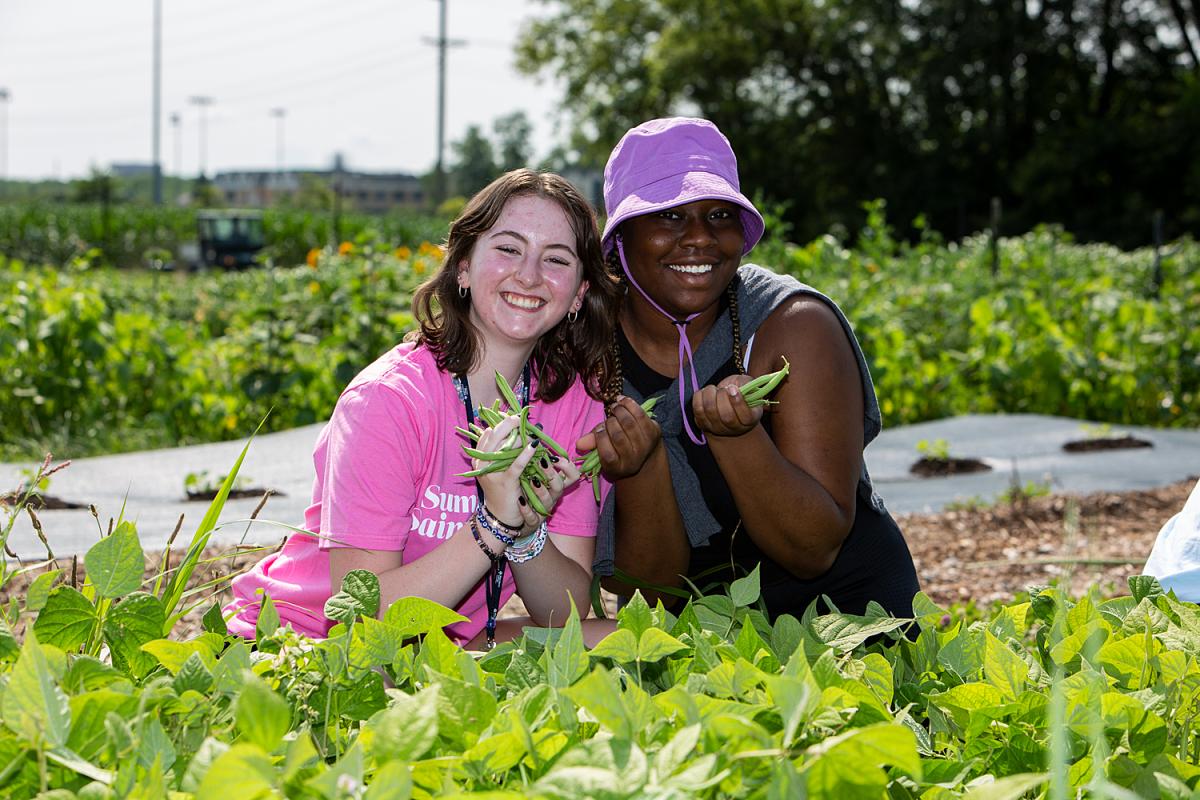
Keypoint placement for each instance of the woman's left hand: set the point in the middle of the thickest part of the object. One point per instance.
(722, 411)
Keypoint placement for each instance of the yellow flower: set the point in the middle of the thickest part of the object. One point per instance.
(403, 252)
(418, 267)
(313, 256)
(314, 287)
(230, 422)
(345, 248)
(872, 267)
(430, 249)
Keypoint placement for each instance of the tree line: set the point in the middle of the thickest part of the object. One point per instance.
(1082, 113)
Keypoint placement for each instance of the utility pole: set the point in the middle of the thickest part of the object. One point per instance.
(157, 105)
(202, 102)
(176, 120)
(5, 96)
(441, 42)
(279, 114)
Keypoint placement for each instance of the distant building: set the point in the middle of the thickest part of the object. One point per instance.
(130, 169)
(589, 182)
(368, 192)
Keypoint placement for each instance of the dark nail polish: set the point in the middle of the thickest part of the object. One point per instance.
(545, 464)
(539, 426)
(536, 483)
(521, 500)
(555, 459)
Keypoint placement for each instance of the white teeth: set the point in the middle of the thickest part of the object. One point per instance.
(523, 302)
(691, 269)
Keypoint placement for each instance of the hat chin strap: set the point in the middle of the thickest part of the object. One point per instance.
(685, 347)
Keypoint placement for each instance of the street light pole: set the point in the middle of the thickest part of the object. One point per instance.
(202, 102)
(176, 121)
(279, 114)
(157, 122)
(5, 96)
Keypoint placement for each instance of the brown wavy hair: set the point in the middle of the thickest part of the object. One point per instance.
(569, 348)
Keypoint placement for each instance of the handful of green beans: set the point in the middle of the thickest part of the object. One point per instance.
(756, 391)
(590, 466)
(516, 441)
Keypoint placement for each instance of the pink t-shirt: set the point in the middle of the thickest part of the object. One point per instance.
(387, 469)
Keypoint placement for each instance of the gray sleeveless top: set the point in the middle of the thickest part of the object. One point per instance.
(760, 292)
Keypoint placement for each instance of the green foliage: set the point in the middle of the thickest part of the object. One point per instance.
(1064, 329)
(938, 449)
(97, 361)
(93, 361)
(92, 234)
(1080, 113)
(1088, 695)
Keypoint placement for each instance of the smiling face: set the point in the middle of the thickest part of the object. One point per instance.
(524, 273)
(685, 256)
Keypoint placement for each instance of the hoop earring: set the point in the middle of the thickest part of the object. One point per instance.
(462, 292)
(572, 315)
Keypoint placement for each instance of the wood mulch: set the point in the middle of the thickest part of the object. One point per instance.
(972, 554)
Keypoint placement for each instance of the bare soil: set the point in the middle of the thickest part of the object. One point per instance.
(978, 555)
(935, 467)
(1125, 442)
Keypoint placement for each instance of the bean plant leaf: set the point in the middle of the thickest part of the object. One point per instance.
(262, 716)
(745, 591)
(391, 782)
(1143, 586)
(359, 597)
(242, 771)
(621, 646)
(67, 619)
(213, 620)
(33, 705)
(852, 764)
(1003, 668)
(407, 729)
(415, 616)
(1011, 787)
(115, 563)
(847, 631)
(656, 644)
(635, 615)
(567, 660)
(194, 675)
(268, 619)
(133, 622)
(39, 591)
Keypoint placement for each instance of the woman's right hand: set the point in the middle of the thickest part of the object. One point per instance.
(502, 490)
(624, 440)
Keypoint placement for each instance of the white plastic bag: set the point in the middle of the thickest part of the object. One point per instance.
(1175, 558)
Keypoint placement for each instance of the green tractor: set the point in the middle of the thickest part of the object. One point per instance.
(229, 239)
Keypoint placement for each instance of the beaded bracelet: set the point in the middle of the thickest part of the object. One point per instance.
(515, 529)
(487, 551)
(483, 517)
(528, 547)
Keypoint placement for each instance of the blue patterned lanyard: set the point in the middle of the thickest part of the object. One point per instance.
(494, 580)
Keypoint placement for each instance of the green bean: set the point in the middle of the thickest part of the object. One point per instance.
(532, 498)
(494, 455)
(764, 385)
(545, 437)
(506, 392)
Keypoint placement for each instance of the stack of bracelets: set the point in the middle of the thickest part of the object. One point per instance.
(520, 548)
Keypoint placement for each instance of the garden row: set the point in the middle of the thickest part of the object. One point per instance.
(93, 360)
(1051, 697)
(135, 236)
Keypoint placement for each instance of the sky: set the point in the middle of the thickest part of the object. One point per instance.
(352, 76)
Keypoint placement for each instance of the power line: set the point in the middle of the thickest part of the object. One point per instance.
(439, 172)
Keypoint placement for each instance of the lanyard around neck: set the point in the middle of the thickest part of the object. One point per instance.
(494, 581)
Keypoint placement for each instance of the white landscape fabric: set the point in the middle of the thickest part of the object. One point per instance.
(1175, 558)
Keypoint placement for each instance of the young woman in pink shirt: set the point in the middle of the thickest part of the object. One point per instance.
(522, 292)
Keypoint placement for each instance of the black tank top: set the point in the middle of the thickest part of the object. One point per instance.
(873, 564)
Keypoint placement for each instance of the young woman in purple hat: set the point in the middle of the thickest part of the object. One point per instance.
(788, 489)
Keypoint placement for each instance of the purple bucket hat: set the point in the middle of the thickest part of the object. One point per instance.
(665, 163)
